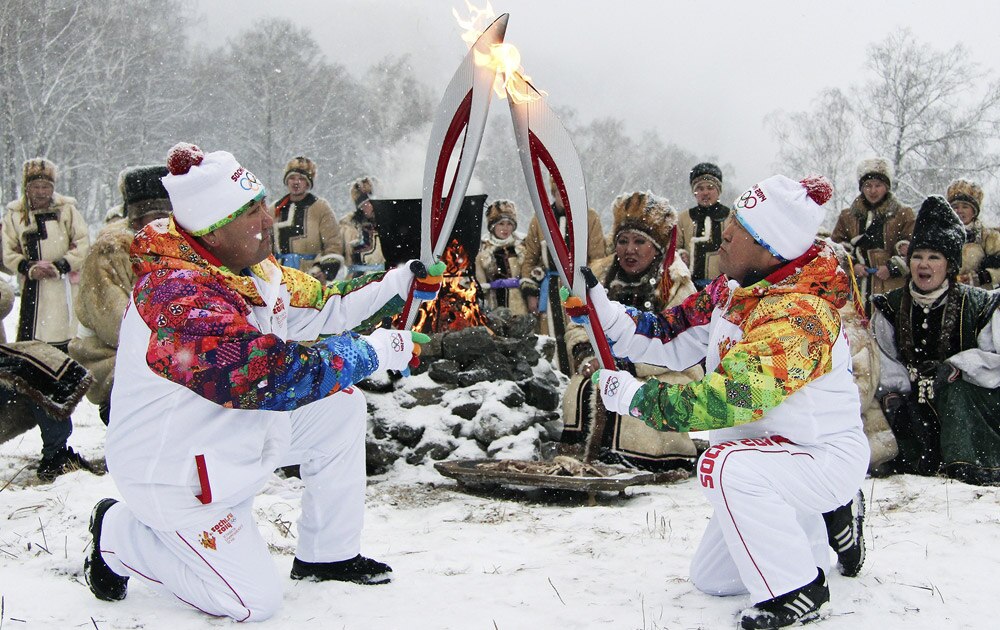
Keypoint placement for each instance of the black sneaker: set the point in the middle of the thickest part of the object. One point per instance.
(66, 460)
(846, 536)
(359, 569)
(796, 607)
(103, 582)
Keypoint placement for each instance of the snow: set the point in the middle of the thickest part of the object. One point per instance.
(504, 559)
(509, 559)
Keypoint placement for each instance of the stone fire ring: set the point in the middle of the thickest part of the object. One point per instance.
(469, 471)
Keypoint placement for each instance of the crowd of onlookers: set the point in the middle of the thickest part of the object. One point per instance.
(925, 281)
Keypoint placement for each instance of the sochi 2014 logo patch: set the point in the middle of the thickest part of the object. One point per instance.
(207, 541)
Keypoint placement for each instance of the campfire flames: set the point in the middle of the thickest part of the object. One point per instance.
(457, 304)
(504, 58)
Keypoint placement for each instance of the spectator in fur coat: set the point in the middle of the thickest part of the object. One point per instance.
(981, 252)
(306, 232)
(107, 279)
(45, 240)
(498, 264)
(875, 230)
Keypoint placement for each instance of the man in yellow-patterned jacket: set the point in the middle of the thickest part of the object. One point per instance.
(788, 451)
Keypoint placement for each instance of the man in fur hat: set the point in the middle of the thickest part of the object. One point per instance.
(45, 241)
(643, 272)
(107, 279)
(362, 246)
(230, 366)
(787, 451)
(876, 230)
(498, 263)
(699, 229)
(306, 231)
(981, 254)
(540, 280)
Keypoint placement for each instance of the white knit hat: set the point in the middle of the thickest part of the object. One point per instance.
(784, 215)
(208, 190)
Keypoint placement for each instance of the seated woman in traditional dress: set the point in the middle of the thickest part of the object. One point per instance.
(645, 273)
(940, 364)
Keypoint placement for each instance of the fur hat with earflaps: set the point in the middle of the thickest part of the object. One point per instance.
(142, 190)
(969, 192)
(938, 228)
(303, 166)
(646, 213)
(39, 168)
(501, 210)
(706, 172)
(208, 190)
(361, 190)
(875, 168)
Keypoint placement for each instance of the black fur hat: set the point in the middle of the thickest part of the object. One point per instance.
(939, 228)
(706, 171)
(141, 183)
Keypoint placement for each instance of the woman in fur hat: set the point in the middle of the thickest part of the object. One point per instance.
(106, 279)
(306, 231)
(644, 273)
(45, 240)
(498, 264)
(362, 246)
(981, 253)
(940, 341)
(875, 230)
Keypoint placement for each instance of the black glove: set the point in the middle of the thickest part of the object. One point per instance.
(588, 277)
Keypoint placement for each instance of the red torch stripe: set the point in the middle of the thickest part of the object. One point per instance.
(459, 122)
(540, 154)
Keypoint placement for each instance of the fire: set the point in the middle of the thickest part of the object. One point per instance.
(457, 304)
(504, 58)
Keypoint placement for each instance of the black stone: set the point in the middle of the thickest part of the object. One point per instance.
(444, 371)
(466, 410)
(406, 435)
(380, 455)
(514, 397)
(471, 377)
(521, 326)
(540, 394)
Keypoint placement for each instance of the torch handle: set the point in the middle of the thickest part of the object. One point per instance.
(410, 309)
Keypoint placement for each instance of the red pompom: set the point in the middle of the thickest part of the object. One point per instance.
(818, 188)
(182, 157)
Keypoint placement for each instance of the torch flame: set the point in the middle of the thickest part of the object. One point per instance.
(504, 58)
(457, 304)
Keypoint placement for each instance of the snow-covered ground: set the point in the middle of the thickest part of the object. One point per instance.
(511, 561)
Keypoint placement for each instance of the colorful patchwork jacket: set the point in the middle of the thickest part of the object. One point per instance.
(211, 363)
(777, 360)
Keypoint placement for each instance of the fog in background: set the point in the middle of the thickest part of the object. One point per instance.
(646, 90)
(702, 75)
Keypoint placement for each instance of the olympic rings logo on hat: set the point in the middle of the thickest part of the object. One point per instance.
(746, 200)
(250, 182)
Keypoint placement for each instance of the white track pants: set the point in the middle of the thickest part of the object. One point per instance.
(222, 566)
(767, 534)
